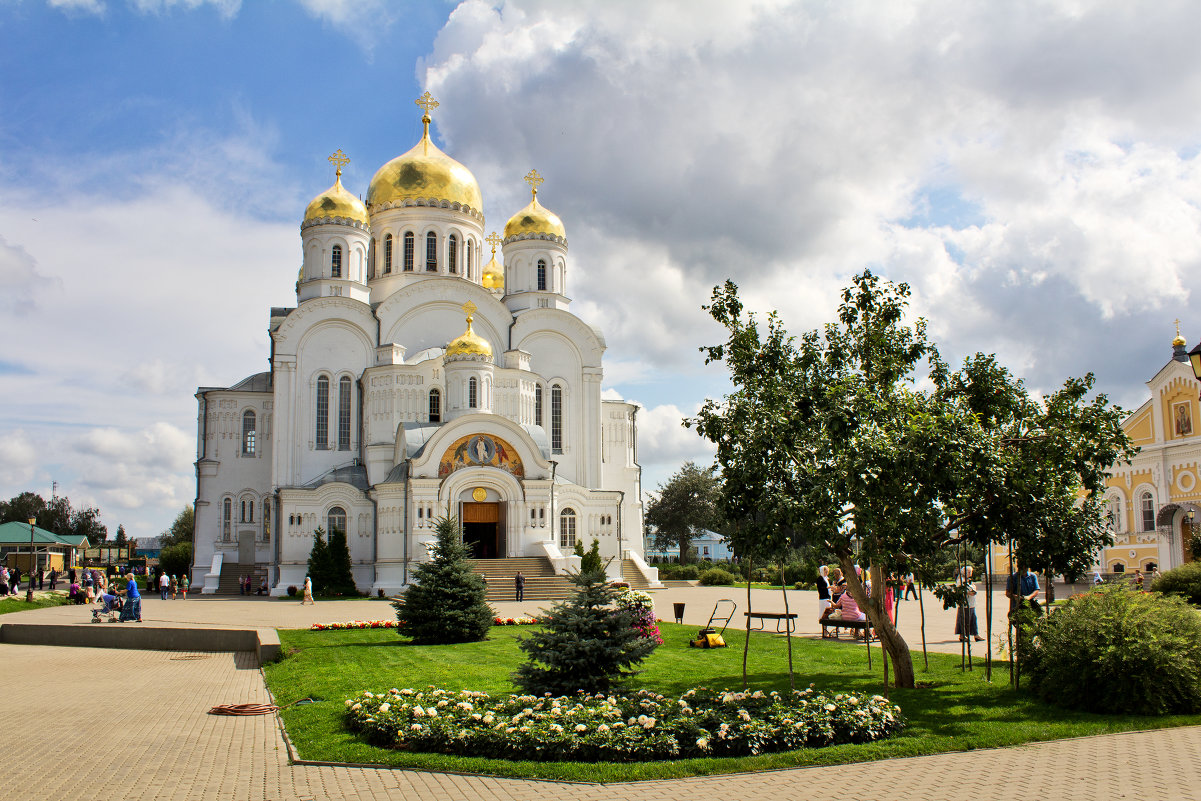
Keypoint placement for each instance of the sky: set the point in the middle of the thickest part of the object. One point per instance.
(1031, 169)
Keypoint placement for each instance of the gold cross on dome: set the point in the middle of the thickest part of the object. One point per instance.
(339, 160)
(534, 180)
(427, 102)
(493, 240)
(1177, 326)
(469, 308)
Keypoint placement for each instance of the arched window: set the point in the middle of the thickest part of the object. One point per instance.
(227, 519)
(248, 433)
(336, 520)
(567, 528)
(371, 258)
(335, 262)
(321, 435)
(243, 520)
(468, 269)
(344, 413)
(541, 274)
(537, 404)
(251, 518)
(556, 419)
(410, 246)
(431, 252)
(435, 406)
(1113, 511)
(1147, 504)
(388, 253)
(473, 389)
(452, 254)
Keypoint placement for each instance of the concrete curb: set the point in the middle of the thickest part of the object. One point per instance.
(264, 642)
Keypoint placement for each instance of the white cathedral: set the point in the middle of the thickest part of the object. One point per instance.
(412, 379)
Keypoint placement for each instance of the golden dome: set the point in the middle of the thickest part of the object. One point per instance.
(469, 343)
(425, 172)
(336, 201)
(494, 271)
(1179, 341)
(534, 218)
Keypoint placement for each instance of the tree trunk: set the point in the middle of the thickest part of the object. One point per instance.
(746, 645)
(921, 606)
(890, 638)
(788, 623)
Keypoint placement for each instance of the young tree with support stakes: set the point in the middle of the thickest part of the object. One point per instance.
(859, 456)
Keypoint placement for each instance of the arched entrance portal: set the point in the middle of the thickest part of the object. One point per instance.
(484, 530)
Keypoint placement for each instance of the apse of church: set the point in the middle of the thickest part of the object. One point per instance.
(428, 367)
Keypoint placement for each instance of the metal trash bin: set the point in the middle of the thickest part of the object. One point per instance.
(678, 608)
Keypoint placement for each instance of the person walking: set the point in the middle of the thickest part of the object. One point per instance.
(132, 608)
(53, 578)
(966, 624)
(519, 586)
(183, 587)
(174, 587)
(308, 592)
(164, 583)
(910, 587)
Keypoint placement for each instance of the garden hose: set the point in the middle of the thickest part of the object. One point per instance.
(252, 709)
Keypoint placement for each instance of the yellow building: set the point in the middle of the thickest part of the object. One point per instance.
(1150, 499)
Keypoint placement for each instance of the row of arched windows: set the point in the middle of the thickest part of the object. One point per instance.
(408, 255)
(340, 438)
(1146, 512)
(243, 513)
(473, 399)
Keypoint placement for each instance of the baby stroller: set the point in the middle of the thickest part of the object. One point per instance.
(110, 610)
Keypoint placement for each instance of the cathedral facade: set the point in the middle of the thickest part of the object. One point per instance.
(417, 377)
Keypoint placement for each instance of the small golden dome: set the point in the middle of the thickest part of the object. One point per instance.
(494, 271)
(469, 343)
(425, 172)
(534, 218)
(336, 201)
(1179, 341)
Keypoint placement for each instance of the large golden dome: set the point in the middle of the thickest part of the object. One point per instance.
(535, 219)
(469, 343)
(423, 173)
(336, 201)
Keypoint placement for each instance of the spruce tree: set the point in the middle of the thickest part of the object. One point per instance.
(340, 576)
(447, 604)
(319, 570)
(586, 645)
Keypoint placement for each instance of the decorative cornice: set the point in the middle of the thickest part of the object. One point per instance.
(347, 221)
(562, 240)
(432, 202)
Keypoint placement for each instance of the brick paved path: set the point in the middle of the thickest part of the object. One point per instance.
(134, 726)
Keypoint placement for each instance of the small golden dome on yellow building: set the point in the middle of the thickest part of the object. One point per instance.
(425, 172)
(469, 343)
(1179, 341)
(534, 218)
(494, 272)
(336, 201)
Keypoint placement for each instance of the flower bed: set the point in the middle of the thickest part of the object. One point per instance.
(618, 728)
(355, 624)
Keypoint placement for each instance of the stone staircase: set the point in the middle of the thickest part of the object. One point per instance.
(541, 583)
(633, 576)
(232, 571)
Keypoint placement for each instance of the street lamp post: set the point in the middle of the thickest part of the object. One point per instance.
(32, 559)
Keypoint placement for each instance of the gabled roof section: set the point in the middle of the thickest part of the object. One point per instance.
(416, 435)
(353, 474)
(259, 382)
(398, 474)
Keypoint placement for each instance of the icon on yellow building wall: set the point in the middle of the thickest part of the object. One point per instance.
(1181, 412)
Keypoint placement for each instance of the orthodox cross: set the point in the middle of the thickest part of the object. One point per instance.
(339, 160)
(534, 180)
(1177, 326)
(493, 240)
(469, 308)
(427, 102)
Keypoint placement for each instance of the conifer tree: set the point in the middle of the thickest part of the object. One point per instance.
(319, 570)
(447, 603)
(340, 576)
(586, 645)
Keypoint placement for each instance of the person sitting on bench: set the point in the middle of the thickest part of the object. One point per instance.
(263, 588)
(844, 609)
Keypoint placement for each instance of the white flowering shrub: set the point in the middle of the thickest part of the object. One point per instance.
(618, 728)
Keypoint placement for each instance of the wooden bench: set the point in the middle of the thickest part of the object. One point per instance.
(855, 626)
(781, 618)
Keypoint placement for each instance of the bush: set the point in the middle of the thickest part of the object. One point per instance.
(688, 572)
(447, 604)
(716, 577)
(1118, 651)
(175, 559)
(1184, 581)
(587, 645)
(590, 560)
(292, 590)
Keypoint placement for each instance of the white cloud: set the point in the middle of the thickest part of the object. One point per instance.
(20, 280)
(18, 458)
(663, 439)
(79, 6)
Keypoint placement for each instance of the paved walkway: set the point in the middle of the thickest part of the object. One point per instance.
(136, 726)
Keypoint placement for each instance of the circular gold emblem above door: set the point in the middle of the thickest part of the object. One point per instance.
(479, 494)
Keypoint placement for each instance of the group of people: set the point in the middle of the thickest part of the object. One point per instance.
(245, 585)
(125, 600)
(10, 579)
(173, 586)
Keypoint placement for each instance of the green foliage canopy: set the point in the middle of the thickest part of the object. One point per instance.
(685, 504)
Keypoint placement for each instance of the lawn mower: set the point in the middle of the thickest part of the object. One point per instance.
(709, 636)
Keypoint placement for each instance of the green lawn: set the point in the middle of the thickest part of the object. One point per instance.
(16, 603)
(957, 711)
